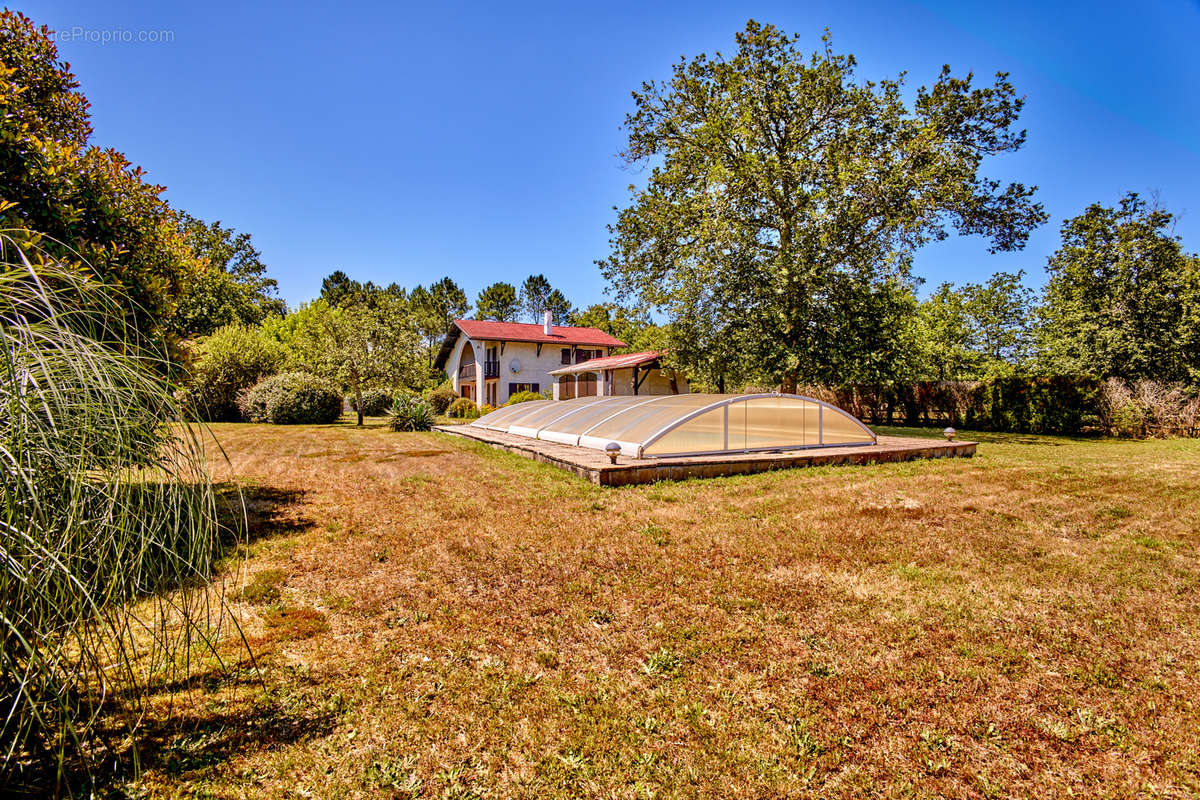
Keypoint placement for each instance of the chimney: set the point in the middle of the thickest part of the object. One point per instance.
(547, 318)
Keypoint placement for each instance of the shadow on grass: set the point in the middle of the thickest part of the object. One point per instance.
(197, 733)
(195, 742)
(188, 743)
(1044, 440)
(250, 513)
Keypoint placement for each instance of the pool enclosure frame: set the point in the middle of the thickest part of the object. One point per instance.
(545, 432)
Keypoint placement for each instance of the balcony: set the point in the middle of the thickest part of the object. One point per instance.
(491, 369)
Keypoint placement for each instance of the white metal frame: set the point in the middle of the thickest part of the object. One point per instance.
(637, 449)
(742, 398)
(503, 426)
(532, 433)
(577, 438)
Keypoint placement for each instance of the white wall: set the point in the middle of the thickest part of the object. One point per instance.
(455, 360)
(534, 368)
(657, 382)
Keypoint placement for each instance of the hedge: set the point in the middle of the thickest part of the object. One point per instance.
(1043, 404)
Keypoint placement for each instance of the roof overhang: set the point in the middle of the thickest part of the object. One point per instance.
(627, 361)
(588, 338)
(447, 346)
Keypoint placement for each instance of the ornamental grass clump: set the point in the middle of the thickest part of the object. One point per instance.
(103, 501)
(411, 413)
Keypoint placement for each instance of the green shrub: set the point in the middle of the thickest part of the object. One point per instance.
(411, 413)
(375, 402)
(440, 399)
(292, 398)
(463, 408)
(523, 397)
(224, 365)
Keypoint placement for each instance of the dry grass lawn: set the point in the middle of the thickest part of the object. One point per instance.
(433, 618)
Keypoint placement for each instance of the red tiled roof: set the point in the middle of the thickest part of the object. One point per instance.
(525, 332)
(611, 362)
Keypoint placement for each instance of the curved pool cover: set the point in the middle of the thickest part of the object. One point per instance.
(683, 424)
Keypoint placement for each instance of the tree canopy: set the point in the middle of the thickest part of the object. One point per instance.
(630, 325)
(231, 288)
(786, 199)
(81, 203)
(1123, 298)
(357, 346)
(980, 330)
(537, 295)
(435, 308)
(498, 302)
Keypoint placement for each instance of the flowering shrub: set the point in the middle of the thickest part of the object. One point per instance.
(463, 408)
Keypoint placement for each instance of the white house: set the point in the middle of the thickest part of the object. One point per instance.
(490, 361)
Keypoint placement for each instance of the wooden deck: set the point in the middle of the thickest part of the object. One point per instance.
(595, 467)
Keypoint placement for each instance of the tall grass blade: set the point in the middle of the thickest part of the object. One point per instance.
(109, 522)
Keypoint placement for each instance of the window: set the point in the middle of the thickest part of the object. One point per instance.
(586, 355)
(566, 355)
(513, 388)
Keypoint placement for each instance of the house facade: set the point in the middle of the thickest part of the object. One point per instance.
(490, 361)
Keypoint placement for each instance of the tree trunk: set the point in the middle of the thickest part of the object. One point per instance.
(358, 404)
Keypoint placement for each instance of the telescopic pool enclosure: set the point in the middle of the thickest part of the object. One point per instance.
(665, 426)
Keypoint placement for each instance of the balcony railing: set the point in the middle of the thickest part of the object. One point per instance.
(491, 369)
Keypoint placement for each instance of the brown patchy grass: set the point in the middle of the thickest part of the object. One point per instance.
(438, 619)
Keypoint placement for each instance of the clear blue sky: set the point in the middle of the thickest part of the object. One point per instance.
(478, 140)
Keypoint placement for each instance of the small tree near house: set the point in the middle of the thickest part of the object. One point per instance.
(359, 347)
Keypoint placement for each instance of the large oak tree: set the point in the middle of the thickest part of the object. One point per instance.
(1123, 298)
(786, 197)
